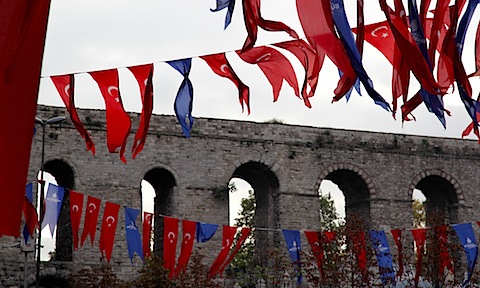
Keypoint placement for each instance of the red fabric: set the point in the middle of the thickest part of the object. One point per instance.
(309, 59)
(243, 235)
(411, 105)
(360, 252)
(220, 66)
(380, 37)
(118, 121)
(109, 226)
(419, 236)
(228, 235)
(424, 4)
(253, 20)
(436, 29)
(65, 85)
(315, 241)
(477, 53)
(144, 76)
(91, 215)
(170, 236)
(317, 22)
(76, 208)
(22, 36)
(445, 260)
(188, 228)
(274, 65)
(397, 237)
(147, 230)
(30, 215)
(360, 26)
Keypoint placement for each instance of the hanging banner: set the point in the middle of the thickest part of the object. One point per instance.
(228, 234)
(384, 258)
(170, 236)
(53, 204)
(397, 237)
(76, 208)
(222, 4)
(30, 223)
(294, 246)
(467, 237)
(109, 226)
(188, 228)
(419, 236)
(315, 240)
(243, 235)
(147, 234)
(184, 99)
(445, 260)
(91, 217)
(134, 242)
(205, 231)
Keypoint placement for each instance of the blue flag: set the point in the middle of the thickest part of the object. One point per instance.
(294, 246)
(222, 4)
(53, 204)
(384, 258)
(356, 85)
(29, 194)
(134, 242)
(184, 100)
(469, 242)
(346, 36)
(205, 231)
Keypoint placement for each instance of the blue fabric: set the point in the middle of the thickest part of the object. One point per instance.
(346, 36)
(134, 242)
(53, 204)
(205, 231)
(356, 85)
(222, 4)
(184, 100)
(384, 258)
(294, 246)
(469, 242)
(29, 194)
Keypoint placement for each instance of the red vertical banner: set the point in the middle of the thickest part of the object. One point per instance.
(188, 228)
(170, 236)
(118, 121)
(360, 252)
(445, 260)
(109, 226)
(397, 237)
(315, 241)
(147, 232)
(419, 236)
(91, 217)
(76, 208)
(243, 236)
(227, 241)
(23, 26)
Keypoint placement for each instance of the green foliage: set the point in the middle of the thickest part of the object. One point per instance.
(419, 214)
(329, 218)
(101, 277)
(274, 121)
(152, 275)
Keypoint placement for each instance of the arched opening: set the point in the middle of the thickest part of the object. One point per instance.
(331, 215)
(64, 177)
(162, 182)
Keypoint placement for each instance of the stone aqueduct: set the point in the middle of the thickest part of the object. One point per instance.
(284, 164)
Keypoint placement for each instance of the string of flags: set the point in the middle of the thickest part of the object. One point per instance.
(203, 232)
(401, 38)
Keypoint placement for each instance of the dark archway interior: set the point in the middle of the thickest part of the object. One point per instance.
(355, 190)
(441, 203)
(65, 178)
(163, 183)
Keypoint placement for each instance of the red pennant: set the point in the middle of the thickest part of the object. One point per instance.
(76, 208)
(91, 215)
(243, 235)
(314, 239)
(228, 234)
(188, 228)
(66, 87)
(109, 226)
(274, 65)
(380, 36)
(22, 30)
(419, 236)
(220, 66)
(436, 29)
(397, 237)
(30, 215)
(360, 253)
(477, 53)
(170, 236)
(144, 76)
(118, 121)
(147, 230)
(360, 26)
(445, 260)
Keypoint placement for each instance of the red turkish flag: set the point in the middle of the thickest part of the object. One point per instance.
(380, 37)
(23, 25)
(445, 260)
(170, 236)
(477, 53)
(274, 65)
(65, 85)
(109, 226)
(310, 61)
(419, 236)
(76, 208)
(243, 235)
(358, 241)
(118, 121)
(188, 228)
(435, 29)
(91, 216)
(30, 215)
(253, 20)
(315, 241)
(397, 237)
(144, 76)
(147, 230)
(220, 66)
(227, 240)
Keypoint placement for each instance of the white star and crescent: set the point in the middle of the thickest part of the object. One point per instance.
(187, 237)
(224, 68)
(378, 29)
(264, 57)
(110, 89)
(75, 208)
(110, 218)
(93, 209)
(172, 236)
(67, 89)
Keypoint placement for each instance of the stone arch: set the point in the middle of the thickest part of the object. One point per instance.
(356, 185)
(443, 194)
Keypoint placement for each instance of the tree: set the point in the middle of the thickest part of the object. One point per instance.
(329, 218)
(419, 214)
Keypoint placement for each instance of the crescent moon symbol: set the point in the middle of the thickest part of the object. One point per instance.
(110, 88)
(316, 244)
(75, 208)
(227, 244)
(108, 218)
(148, 217)
(94, 207)
(171, 238)
(187, 236)
(264, 57)
(224, 68)
(67, 89)
(145, 82)
(374, 32)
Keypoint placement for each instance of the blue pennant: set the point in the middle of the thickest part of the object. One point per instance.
(134, 242)
(53, 204)
(384, 258)
(469, 242)
(184, 100)
(29, 194)
(205, 231)
(222, 4)
(294, 246)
